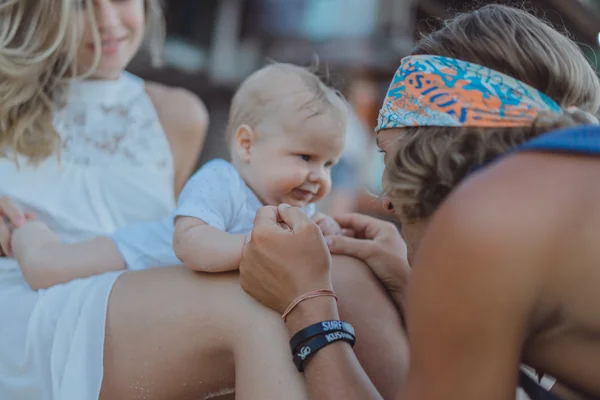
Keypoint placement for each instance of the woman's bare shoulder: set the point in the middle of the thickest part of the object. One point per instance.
(185, 120)
(177, 107)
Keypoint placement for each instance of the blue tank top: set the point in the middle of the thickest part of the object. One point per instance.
(584, 140)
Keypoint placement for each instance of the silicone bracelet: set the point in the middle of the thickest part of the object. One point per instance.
(319, 328)
(308, 350)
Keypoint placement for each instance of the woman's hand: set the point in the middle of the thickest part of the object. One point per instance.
(285, 257)
(11, 217)
(379, 244)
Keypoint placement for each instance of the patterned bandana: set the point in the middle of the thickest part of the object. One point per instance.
(442, 91)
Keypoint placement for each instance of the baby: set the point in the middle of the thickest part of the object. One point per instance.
(286, 130)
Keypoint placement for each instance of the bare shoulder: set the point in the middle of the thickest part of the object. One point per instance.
(497, 263)
(177, 107)
(185, 120)
(507, 221)
(525, 200)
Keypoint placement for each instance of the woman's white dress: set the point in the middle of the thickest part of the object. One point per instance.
(115, 169)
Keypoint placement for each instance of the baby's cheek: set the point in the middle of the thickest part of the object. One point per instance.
(324, 189)
(282, 183)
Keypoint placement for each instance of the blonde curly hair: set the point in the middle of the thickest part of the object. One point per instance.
(427, 163)
(38, 53)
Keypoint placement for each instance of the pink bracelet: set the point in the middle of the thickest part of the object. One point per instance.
(306, 296)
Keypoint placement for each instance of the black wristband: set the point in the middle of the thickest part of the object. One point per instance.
(317, 329)
(308, 350)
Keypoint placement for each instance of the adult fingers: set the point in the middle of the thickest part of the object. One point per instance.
(348, 246)
(267, 218)
(294, 217)
(12, 212)
(363, 225)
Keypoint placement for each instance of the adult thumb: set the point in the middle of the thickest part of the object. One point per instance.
(294, 217)
(348, 246)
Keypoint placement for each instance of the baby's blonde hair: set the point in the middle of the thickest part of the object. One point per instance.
(38, 51)
(255, 99)
(429, 162)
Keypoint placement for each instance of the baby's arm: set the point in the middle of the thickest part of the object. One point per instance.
(207, 207)
(46, 261)
(202, 247)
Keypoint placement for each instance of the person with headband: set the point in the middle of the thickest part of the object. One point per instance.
(492, 154)
(90, 150)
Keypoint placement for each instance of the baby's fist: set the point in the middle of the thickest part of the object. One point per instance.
(328, 225)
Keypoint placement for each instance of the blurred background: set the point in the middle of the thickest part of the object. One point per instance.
(214, 44)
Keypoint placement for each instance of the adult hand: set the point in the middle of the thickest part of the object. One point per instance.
(379, 244)
(11, 217)
(285, 257)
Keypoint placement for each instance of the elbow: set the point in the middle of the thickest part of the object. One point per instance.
(185, 252)
(199, 248)
(189, 255)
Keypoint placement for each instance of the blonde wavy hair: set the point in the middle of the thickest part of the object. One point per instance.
(429, 162)
(38, 57)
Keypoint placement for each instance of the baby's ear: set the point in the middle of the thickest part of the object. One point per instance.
(243, 140)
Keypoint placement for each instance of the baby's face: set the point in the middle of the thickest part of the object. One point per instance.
(292, 159)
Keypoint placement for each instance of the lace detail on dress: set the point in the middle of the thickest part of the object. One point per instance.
(118, 125)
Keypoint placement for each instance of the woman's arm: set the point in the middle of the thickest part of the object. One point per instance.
(45, 261)
(204, 248)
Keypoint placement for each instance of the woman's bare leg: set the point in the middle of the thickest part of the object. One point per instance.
(174, 334)
(381, 347)
(171, 334)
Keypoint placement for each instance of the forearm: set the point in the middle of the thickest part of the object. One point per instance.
(45, 261)
(399, 300)
(208, 249)
(334, 371)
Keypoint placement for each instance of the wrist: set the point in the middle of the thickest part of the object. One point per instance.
(28, 239)
(312, 311)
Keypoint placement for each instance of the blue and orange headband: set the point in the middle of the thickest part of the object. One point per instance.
(441, 91)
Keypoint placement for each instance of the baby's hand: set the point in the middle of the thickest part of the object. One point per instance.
(328, 225)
